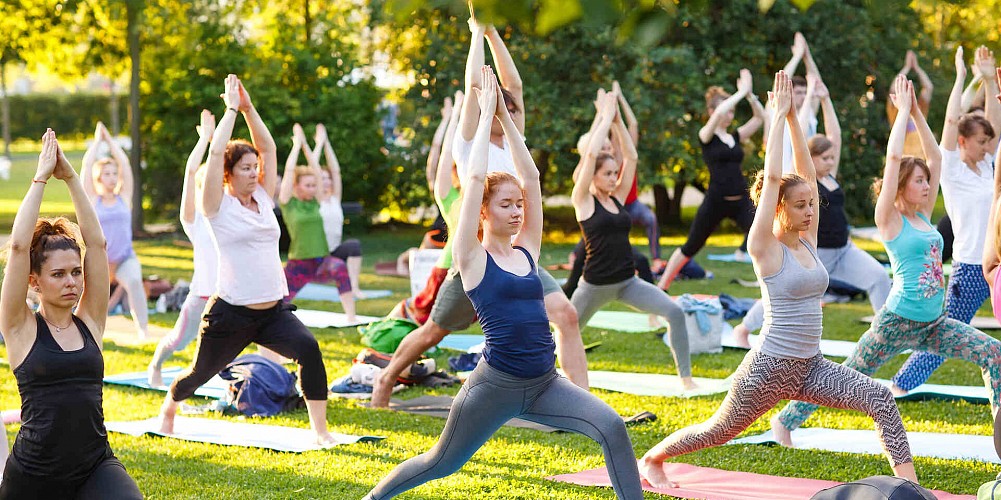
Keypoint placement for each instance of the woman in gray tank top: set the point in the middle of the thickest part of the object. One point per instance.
(788, 365)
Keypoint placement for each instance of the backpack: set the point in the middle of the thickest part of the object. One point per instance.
(260, 387)
(990, 490)
(876, 488)
(386, 334)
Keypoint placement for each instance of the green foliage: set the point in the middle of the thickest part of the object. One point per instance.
(289, 81)
(70, 115)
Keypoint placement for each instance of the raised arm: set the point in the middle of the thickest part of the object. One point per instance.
(330, 158)
(743, 87)
(973, 90)
(803, 165)
(14, 311)
(212, 189)
(761, 241)
(583, 145)
(950, 129)
(798, 51)
(927, 87)
(205, 130)
(991, 257)
(750, 127)
(620, 134)
(443, 174)
(507, 71)
(288, 178)
(97, 277)
(933, 154)
(832, 127)
(126, 182)
(530, 235)
(474, 61)
(467, 252)
(89, 158)
(986, 65)
(436, 144)
(263, 141)
(887, 216)
(583, 203)
(627, 112)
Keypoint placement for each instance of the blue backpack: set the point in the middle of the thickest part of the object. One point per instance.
(260, 387)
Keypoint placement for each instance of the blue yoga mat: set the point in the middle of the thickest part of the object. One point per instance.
(314, 291)
(460, 341)
(215, 388)
(727, 257)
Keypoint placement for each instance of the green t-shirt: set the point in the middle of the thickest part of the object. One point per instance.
(450, 212)
(305, 229)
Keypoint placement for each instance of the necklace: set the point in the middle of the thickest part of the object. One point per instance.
(58, 328)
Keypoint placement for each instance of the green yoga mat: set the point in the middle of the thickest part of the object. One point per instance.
(622, 321)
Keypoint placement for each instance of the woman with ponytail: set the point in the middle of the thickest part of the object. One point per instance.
(61, 450)
(788, 364)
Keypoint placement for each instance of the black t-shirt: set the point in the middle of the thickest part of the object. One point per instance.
(726, 178)
(832, 231)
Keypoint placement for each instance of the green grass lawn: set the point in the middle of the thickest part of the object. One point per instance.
(513, 464)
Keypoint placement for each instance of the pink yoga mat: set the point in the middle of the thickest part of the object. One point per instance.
(716, 484)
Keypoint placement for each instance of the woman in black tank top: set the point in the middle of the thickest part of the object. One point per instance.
(62, 448)
(609, 273)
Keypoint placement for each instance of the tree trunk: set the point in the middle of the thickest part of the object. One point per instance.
(5, 109)
(308, 20)
(542, 160)
(134, 14)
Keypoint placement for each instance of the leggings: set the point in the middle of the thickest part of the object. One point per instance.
(301, 272)
(347, 248)
(129, 274)
(227, 329)
(713, 210)
(761, 381)
(185, 329)
(967, 292)
(642, 215)
(108, 481)
(588, 298)
(891, 334)
(640, 262)
(488, 399)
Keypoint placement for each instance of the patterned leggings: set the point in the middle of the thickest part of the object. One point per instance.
(301, 272)
(890, 334)
(967, 292)
(761, 381)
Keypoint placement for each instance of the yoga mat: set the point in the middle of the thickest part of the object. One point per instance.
(653, 384)
(716, 484)
(439, 406)
(623, 321)
(461, 341)
(840, 348)
(228, 433)
(328, 319)
(215, 388)
(728, 257)
(314, 291)
(923, 444)
(979, 322)
(866, 233)
(925, 392)
(122, 331)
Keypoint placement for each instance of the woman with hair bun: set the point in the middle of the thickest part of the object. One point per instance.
(61, 450)
(727, 193)
(788, 364)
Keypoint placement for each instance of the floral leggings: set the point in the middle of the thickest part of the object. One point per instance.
(891, 334)
(301, 272)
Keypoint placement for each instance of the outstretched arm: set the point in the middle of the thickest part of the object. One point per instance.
(991, 257)
(126, 182)
(333, 166)
(743, 88)
(436, 144)
(467, 252)
(986, 65)
(887, 216)
(927, 87)
(530, 235)
(211, 194)
(474, 61)
(263, 141)
(832, 127)
(205, 131)
(288, 178)
(583, 204)
(89, 158)
(14, 310)
(798, 51)
(629, 158)
(803, 164)
(507, 71)
(950, 129)
(627, 112)
(750, 127)
(443, 174)
(761, 241)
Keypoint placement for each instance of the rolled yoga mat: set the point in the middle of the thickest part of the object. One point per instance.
(228, 433)
(716, 484)
(923, 444)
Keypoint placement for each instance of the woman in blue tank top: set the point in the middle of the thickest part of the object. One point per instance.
(788, 364)
(62, 448)
(914, 314)
(517, 376)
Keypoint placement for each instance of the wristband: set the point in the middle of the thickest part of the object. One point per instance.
(234, 110)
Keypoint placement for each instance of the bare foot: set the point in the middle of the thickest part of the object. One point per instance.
(898, 391)
(153, 376)
(740, 256)
(326, 439)
(689, 384)
(167, 419)
(655, 321)
(783, 436)
(359, 294)
(741, 336)
(381, 392)
(653, 472)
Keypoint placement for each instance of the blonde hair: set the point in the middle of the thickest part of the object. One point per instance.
(788, 181)
(715, 95)
(300, 171)
(907, 166)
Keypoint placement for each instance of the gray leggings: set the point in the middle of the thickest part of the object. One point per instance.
(646, 297)
(490, 398)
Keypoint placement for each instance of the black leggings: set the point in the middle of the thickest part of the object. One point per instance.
(640, 262)
(347, 248)
(227, 329)
(108, 481)
(713, 210)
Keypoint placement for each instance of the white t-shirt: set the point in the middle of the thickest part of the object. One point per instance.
(968, 202)
(333, 222)
(203, 281)
(498, 159)
(787, 156)
(250, 270)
